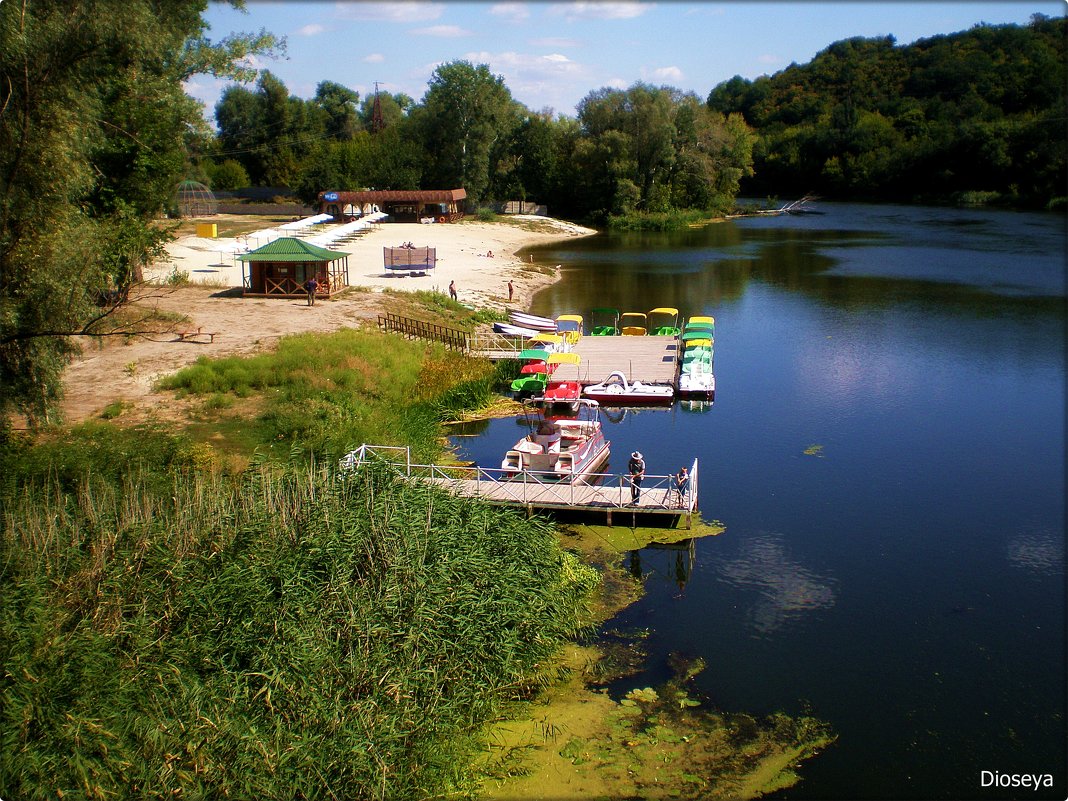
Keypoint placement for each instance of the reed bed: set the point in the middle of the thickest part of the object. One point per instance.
(297, 633)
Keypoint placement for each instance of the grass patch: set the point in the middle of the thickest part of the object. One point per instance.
(660, 221)
(331, 392)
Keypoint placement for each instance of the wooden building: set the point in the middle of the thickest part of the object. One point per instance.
(282, 267)
(416, 205)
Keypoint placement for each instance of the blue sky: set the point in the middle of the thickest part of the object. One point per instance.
(552, 54)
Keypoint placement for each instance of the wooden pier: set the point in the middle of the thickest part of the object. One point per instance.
(608, 494)
(651, 360)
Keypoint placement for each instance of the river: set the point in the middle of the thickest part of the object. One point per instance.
(887, 453)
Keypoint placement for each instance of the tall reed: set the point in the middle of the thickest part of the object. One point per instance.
(297, 634)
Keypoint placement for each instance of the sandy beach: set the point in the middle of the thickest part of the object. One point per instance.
(126, 369)
(479, 257)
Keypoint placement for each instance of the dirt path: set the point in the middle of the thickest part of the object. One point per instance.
(126, 369)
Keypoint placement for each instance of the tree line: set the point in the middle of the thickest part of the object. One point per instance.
(976, 115)
(641, 149)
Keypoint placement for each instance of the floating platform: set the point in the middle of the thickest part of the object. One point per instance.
(651, 360)
(610, 495)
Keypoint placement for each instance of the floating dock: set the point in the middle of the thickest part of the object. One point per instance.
(651, 360)
(609, 495)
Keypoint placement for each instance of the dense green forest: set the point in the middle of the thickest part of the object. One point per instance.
(973, 116)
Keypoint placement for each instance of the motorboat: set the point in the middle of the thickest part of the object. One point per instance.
(559, 449)
(633, 324)
(531, 321)
(664, 322)
(604, 323)
(617, 391)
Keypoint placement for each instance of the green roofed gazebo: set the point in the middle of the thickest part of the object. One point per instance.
(282, 267)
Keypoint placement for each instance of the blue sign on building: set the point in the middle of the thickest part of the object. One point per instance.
(329, 196)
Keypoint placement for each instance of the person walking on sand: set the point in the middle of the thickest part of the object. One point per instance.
(310, 286)
(636, 468)
(511, 291)
(452, 290)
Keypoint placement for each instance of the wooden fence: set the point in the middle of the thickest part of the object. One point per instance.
(420, 329)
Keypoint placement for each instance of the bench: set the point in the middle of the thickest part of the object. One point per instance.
(190, 336)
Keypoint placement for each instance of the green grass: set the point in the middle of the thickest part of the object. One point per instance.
(295, 634)
(332, 392)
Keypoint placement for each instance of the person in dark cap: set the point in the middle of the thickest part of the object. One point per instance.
(636, 468)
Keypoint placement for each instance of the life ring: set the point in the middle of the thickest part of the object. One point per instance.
(441, 219)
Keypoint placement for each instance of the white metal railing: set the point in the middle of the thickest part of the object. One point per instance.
(529, 487)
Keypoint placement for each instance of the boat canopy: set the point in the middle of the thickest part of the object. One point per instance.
(699, 343)
(563, 358)
(569, 318)
(536, 354)
(701, 319)
(632, 323)
(695, 334)
(665, 310)
(547, 337)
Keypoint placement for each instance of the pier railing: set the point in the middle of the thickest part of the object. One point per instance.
(532, 489)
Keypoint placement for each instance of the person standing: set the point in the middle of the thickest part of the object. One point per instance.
(682, 485)
(452, 290)
(636, 468)
(511, 291)
(310, 286)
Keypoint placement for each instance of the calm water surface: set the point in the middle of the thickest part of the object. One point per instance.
(906, 582)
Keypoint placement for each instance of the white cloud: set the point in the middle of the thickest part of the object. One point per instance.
(667, 74)
(599, 10)
(767, 58)
(374, 58)
(402, 12)
(556, 57)
(617, 83)
(442, 31)
(512, 12)
(311, 30)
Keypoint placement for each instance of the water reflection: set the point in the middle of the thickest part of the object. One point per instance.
(786, 590)
(669, 561)
(1041, 553)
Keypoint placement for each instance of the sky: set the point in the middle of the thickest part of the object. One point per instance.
(552, 54)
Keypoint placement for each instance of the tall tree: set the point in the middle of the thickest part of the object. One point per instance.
(465, 112)
(93, 120)
(341, 107)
